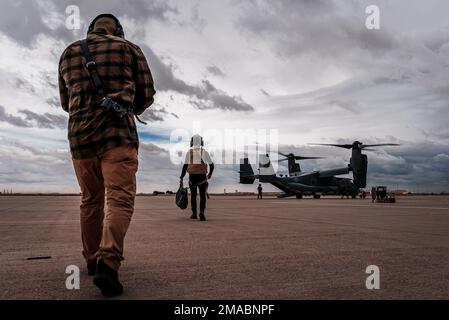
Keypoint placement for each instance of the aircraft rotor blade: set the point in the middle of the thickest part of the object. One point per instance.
(379, 145)
(307, 158)
(284, 155)
(345, 146)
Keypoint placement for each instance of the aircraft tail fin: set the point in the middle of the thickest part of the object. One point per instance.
(246, 172)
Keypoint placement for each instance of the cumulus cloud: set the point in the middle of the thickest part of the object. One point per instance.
(325, 28)
(11, 119)
(215, 71)
(442, 158)
(205, 95)
(23, 20)
(46, 120)
(38, 170)
(156, 114)
(51, 170)
(152, 148)
(325, 78)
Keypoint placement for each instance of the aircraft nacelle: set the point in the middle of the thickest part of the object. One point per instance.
(359, 166)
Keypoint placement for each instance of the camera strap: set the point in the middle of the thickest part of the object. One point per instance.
(95, 77)
(92, 68)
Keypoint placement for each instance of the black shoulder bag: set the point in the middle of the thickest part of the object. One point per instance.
(182, 197)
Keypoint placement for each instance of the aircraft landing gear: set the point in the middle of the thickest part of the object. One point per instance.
(299, 196)
(316, 196)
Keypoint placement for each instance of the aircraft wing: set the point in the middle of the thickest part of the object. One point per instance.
(333, 172)
(326, 173)
(307, 174)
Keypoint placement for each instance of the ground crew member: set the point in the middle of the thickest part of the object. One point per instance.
(103, 82)
(196, 161)
(259, 191)
(373, 194)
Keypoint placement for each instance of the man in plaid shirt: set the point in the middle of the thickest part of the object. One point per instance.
(103, 145)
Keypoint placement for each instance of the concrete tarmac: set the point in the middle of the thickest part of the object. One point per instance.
(248, 249)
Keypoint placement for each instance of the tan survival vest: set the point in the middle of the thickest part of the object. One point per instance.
(196, 168)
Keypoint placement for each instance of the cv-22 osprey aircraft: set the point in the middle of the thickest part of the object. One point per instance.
(313, 183)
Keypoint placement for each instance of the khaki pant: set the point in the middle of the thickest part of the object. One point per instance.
(114, 170)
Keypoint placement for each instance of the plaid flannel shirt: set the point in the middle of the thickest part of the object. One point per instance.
(126, 78)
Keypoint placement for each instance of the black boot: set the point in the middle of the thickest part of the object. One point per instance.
(91, 267)
(202, 216)
(106, 279)
(194, 216)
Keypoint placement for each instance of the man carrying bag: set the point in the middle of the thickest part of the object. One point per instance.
(196, 161)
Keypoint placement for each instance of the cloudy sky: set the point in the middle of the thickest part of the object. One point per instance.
(309, 69)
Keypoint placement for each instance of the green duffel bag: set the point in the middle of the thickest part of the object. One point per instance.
(182, 197)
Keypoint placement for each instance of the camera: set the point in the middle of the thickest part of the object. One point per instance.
(113, 107)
